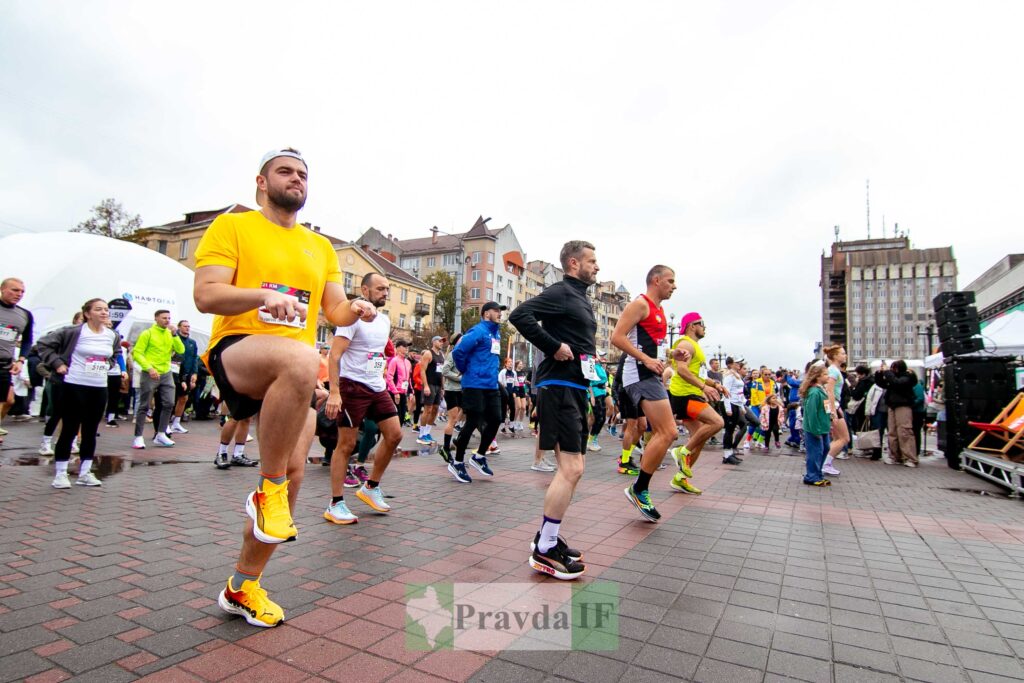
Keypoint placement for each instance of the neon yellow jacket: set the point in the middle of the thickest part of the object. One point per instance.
(154, 347)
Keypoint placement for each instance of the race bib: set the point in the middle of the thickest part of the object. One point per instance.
(589, 366)
(496, 346)
(301, 295)
(663, 353)
(438, 366)
(375, 363)
(176, 368)
(404, 386)
(96, 365)
(9, 334)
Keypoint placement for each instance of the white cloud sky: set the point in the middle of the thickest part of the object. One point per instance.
(724, 139)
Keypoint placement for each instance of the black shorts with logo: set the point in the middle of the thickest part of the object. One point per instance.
(562, 418)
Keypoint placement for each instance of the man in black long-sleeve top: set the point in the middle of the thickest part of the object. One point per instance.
(561, 323)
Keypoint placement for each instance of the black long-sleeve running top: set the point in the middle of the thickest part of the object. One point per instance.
(562, 313)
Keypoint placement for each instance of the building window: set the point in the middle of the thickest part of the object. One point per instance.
(475, 276)
(183, 249)
(499, 297)
(403, 295)
(410, 263)
(419, 298)
(474, 293)
(490, 257)
(401, 319)
(490, 276)
(490, 293)
(501, 281)
(431, 261)
(349, 282)
(450, 260)
(161, 247)
(476, 257)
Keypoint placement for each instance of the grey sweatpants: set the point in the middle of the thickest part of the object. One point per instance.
(165, 385)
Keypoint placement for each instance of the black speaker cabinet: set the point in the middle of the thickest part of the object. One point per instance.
(955, 347)
(964, 330)
(956, 314)
(947, 299)
(976, 389)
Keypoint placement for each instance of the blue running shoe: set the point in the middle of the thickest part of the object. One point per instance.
(458, 470)
(480, 463)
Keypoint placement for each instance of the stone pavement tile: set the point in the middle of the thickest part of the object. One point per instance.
(96, 654)
(318, 654)
(938, 652)
(111, 673)
(668, 661)
(966, 624)
(320, 621)
(542, 660)
(868, 659)
(743, 654)
(49, 676)
(920, 670)
(679, 639)
(910, 629)
(95, 629)
(798, 666)
(367, 667)
(590, 667)
(985, 662)
(22, 665)
(167, 643)
(637, 674)
(691, 620)
(393, 647)
(844, 673)
(223, 662)
(713, 671)
(802, 645)
(270, 670)
(498, 671)
(26, 639)
(360, 634)
(864, 622)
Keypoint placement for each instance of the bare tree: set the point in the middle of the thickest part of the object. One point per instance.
(110, 219)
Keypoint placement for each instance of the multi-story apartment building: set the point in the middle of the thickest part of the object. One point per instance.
(493, 260)
(877, 296)
(1000, 289)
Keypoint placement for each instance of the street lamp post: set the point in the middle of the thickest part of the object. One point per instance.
(930, 333)
(671, 329)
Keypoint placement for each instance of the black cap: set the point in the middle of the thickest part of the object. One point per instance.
(729, 360)
(492, 306)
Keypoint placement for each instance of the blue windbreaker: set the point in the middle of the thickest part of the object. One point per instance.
(475, 358)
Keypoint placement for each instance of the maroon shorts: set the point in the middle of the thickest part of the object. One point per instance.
(359, 402)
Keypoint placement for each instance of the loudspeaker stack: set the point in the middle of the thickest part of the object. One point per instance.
(957, 319)
(976, 389)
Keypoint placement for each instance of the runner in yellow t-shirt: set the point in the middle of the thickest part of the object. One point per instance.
(264, 277)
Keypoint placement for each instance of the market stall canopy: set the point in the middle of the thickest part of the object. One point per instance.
(1003, 336)
(62, 270)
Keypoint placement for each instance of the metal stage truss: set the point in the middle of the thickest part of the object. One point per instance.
(1003, 472)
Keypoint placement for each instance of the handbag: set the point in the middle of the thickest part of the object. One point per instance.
(868, 439)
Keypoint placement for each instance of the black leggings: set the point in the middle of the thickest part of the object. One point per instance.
(56, 391)
(482, 408)
(599, 415)
(773, 426)
(79, 407)
(508, 404)
(419, 407)
(737, 419)
(113, 393)
(403, 408)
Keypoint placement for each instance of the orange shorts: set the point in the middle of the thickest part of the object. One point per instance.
(688, 407)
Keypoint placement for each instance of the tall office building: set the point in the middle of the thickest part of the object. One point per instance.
(877, 296)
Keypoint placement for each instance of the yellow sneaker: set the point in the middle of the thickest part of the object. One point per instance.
(251, 602)
(679, 483)
(271, 516)
(680, 457)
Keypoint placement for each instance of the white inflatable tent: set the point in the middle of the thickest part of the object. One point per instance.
(63, 270)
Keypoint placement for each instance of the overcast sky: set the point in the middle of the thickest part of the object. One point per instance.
(723, 139)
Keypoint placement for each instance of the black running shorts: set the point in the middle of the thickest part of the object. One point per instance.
(453, 399)
(627, 409)
(562, 418)
(239, 406)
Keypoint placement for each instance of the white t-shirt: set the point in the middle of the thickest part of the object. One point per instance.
(90, 359)
(363, 361)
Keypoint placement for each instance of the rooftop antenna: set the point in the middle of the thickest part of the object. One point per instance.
(883, 226)
(837, 233)
(867, 188)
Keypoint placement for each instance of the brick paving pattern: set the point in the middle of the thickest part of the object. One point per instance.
(890, 574)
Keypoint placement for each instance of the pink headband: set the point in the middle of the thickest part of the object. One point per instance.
(687, 319)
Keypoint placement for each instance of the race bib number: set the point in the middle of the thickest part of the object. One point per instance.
(375, 363)
(438, 366)
(663, 353)
(589, 367)
(496, 346)
(176, 368)
(96, 365)
(301, 295)
(404, 386)
(8, 334)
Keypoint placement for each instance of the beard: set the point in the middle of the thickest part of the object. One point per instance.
(281, 198)
(379, 302)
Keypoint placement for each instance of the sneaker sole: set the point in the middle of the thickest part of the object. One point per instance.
(222, 601)
(643, 513)
(250, 509)
(456, 478)
(369, 501)
(351, 486)
(480, 469)
(680, 489)
(222, 467)
(61, 488)
(551, 571)
(334, 520)
(84, 483)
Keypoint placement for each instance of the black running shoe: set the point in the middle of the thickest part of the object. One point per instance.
(556, 563)
(732, 460)
(571, 553)
(445, 455)
(222, 461)
(243, 461)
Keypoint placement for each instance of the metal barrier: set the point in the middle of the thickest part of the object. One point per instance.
(1003, 472)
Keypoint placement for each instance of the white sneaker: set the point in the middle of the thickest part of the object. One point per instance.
(74, 447)
(910, 464)
(46, 448)
(842, 456)
(828, 469)
(746, 445)
(248, 438)
(87, 479)
(542, 467)
(163, 440)
(139, 443)
(178, 429)
(60, 481)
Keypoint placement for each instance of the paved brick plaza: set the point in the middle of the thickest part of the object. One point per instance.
(888, 575)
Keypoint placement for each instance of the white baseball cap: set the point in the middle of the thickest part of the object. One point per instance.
(275, 153)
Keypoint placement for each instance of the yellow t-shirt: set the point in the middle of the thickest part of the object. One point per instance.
(678, 386)
(264, 255)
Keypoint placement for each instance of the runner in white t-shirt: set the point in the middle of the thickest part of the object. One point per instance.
(358, 392)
